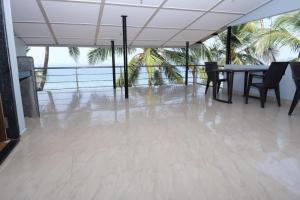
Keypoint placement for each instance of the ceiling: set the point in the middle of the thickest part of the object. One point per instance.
(151, 23)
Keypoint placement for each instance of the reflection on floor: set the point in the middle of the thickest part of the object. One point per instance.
(164, 143)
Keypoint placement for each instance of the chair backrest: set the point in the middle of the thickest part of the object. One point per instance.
(209, 67)
(274, 74)
(295, 66)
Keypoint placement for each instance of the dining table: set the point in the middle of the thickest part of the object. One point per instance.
(230, 72)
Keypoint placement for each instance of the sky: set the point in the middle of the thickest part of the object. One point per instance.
(59, 57)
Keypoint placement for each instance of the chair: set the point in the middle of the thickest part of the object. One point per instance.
(209, 67)
(270, 80)
(295, 66)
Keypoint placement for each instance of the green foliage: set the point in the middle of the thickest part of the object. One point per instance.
(74, 52)
(96, 55)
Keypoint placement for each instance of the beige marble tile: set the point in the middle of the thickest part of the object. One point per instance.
(165, 143)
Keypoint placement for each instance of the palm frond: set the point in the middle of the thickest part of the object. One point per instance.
(96, 55)
(100, 54)
(289, 21)
(134, 68)
(74, 52)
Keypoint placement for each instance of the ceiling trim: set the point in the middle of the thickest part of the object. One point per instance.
(202, 10)
(130, 5)
(76, 1)
(42, 9)
(99, 21)
(108, 25)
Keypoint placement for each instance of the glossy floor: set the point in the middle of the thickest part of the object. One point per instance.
(163, 144)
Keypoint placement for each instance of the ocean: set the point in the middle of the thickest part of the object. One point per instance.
(59, 78)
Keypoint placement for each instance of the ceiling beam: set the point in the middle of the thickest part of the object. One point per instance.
(99, 21)
(42, 9)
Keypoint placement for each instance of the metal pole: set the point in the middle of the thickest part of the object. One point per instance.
(113, 63)
(125, 54)
(228, 45)
(187, 63)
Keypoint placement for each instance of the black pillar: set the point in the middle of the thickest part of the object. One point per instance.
(6, 82)
(228, 45)
(113, 62)
(187, 63)
(125, 54)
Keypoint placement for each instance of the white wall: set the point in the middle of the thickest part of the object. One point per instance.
(287, 86)
(20, 47)
(14, 64)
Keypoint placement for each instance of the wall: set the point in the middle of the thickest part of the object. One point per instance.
(20, 47)
(287, 86)
(14, 65)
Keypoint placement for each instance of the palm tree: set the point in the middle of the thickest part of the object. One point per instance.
(42, 75)
(286, 31)
(198, 52)
(152, 59)
(265, 47)
(242, 50)
(74, 52)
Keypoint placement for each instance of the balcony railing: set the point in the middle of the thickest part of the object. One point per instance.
(97, 77)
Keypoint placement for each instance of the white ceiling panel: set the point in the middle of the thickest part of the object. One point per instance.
(192, 35)
(239, 6)
(173, 43)
(74, 22)
(75, 41)
(174, 18)
(191, 4)
(27, 11)
(70, 12)
(31, 30)
(154, 3)
(114, 32)
(39, 41)
(136, 16)
(213, 21)
(147, 43)
(157, 34)
(74, 31)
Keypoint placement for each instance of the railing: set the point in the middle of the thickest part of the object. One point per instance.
(96, 77)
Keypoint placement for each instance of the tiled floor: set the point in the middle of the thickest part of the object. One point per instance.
(164, 144)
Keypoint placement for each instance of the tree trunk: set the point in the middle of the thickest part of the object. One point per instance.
(194, 72)
(45, 69)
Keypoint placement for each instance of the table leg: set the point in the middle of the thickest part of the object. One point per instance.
(215, 86)
(246, 82)
(231, 75)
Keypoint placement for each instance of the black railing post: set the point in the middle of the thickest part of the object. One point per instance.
(113, 62)
(228, 45)
(125, 54)
(187, 63)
